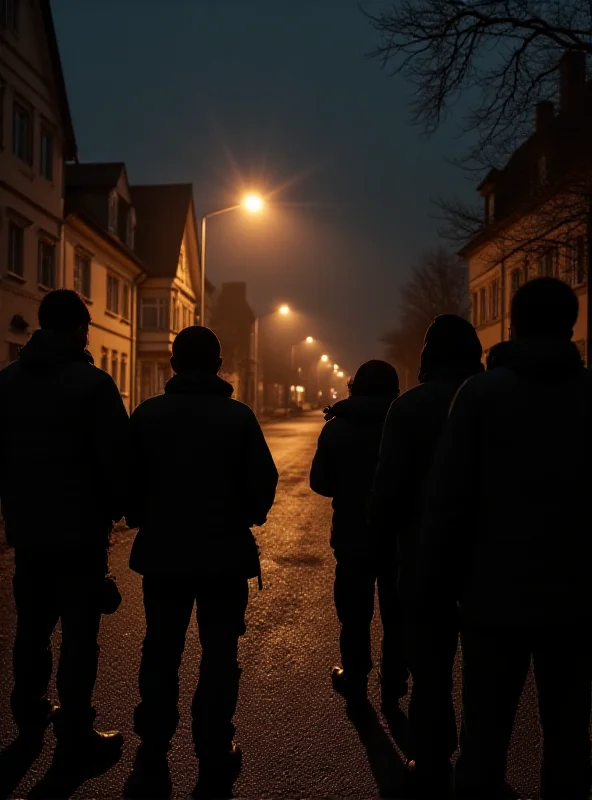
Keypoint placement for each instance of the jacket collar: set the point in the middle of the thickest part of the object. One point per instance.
(49, 350)
(193, 382)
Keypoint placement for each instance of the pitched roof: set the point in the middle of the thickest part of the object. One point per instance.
(95, 176)
(71, 149)
(161, 216)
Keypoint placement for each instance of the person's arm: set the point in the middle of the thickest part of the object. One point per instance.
(393, 492)
(451, 497)
(262, 475)
(322, 472)
(109, 430)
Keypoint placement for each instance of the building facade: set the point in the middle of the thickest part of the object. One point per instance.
(36, 138)
(101, 265)
(167, 243)
(536, 212)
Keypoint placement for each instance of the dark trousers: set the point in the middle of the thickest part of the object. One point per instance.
(431, 650)
(495, 666)
(64, 586)
(168, 603)
(355, 581)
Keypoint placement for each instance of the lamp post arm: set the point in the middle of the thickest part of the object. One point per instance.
(202, 302)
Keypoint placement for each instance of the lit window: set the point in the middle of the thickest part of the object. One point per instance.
(46, 264)
(22, 129)
(46, 155)
(82, 274)
(112, 294)
(16, 249)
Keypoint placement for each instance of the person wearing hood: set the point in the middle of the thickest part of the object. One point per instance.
(343, 469)
(63, 454)
(506, 536)
(203, 476)
(451, 354)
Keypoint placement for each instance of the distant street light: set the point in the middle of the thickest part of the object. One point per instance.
(252, 203)
(324, 358)
(340, 374)
(285, 310)
(309, 340)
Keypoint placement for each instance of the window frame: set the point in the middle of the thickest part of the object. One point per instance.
(113, 212)
(126, 295)
(112, 279)
(159, 305)
(114, 365)
(78, 284)
(26, 109)
(46, 134)
(45, 242)
(123, 374)
(483, 306)
(12, 226)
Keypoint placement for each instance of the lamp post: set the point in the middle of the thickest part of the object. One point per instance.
(252, 203)
(308, 341)
(284, 310)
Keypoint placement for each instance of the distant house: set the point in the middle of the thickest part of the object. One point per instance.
(167, 243)
(36, 137)
(233, 322)
(100, 264)
(535, 212)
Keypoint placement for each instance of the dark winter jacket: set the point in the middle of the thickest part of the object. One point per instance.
(63, 447)
(202, 476)
(507, 527)
(343, 468)
(409, 440)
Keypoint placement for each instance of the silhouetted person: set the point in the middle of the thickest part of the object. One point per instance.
(506, 533)
(495, 357)
(343, 469)
(63, 446)
(203, 476)
(451, 354)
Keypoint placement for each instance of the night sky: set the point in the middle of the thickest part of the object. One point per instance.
(276, 96)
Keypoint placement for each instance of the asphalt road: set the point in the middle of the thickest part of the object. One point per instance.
(296, 738)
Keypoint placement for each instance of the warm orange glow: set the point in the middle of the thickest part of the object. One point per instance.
(340, 374)
(309, 340)
(324, 358)
(253, 203)
(335, 367)
(285, 310)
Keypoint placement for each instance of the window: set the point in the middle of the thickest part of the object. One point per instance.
(162, 376)
(123, 374)
(490, 208)
(153, 314)
(104, 359)
(125, 301)
(542, 170)
(482, 306)
(46, 265)
(475, 309)
(516, 280)
(9, 14)
(46, 155)
(22, 130)
(113, 212)
(130, 234)
(175, 314)
(114, 365)
(494, 299)
(82, 274)
(112, 294)
(576, 258)
(547, 264)
(16, 249)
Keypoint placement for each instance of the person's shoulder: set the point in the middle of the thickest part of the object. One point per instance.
(10, 372)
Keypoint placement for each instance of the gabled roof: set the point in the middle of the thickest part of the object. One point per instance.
(161, 216)
(71, 149)
(94, 176)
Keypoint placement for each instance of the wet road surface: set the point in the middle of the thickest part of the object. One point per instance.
(296, 738)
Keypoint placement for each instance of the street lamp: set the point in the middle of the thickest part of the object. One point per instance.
(324, 358)
(284, 311)
(252, 203)
(309, 340)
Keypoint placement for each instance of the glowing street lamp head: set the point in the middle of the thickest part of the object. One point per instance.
(284, 310)
(324, 358)
(309, 340)
(340, 374)
(335, 367)
(253, 203)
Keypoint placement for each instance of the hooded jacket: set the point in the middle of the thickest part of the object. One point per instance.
(202, 477)
(506, 527)
(344, 465)
(63, 447)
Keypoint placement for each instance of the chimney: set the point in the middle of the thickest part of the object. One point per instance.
(544, 115)
(572, 77)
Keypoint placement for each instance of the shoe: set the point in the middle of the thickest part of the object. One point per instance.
(354, 691)
(90, 748)
(34, 730)
(150, 775)
(217, 773)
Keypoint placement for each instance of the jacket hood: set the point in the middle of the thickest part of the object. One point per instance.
(545, 360)
(193, 382)
(47, 350)
(361, 409)
(451, 351)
